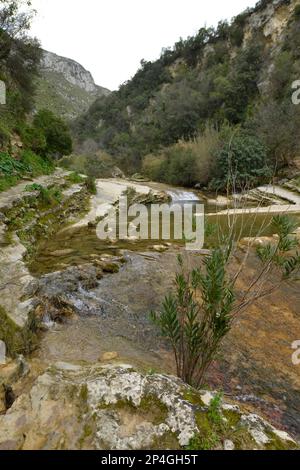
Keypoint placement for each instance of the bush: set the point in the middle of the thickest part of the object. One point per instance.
(4, 137)
(200, 312)
(34, 139)
(37, 165)
(75, 178)
(277, 126)
(152, 167)
(297, 12)
(48, 196)
(242, 163)
(98, 165)
(91, 185)
(185, 163)
(28, 164)
(56, 133)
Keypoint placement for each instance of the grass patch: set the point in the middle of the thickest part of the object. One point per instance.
(75, 178)
(47, 196)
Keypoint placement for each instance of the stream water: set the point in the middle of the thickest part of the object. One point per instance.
(79, 244)
(115, 314)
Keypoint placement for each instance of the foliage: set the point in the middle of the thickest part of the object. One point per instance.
(47, 196)
(27, 165)
(34, 139)
(56, 133)
(33, 187)
(214, 409)
(199, 442)
(75, 178)
(200, 312)
(187, 162)
(4, 136)
(19, 55)
(216, 77)
(276, 124)
(98, 165)
(240, 164)
(90, 184)
(297, 12)
(199, 89)
(196, 330)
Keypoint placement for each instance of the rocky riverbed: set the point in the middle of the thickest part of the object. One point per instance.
(91, 302)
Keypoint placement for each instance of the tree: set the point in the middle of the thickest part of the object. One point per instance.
(200, 313)
(56, 132)
(19, 53)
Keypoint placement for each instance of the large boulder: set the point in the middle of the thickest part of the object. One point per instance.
(117, 407)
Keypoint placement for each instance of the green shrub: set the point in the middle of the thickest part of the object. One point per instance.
(208, 442)
(33, 187)
(214, 410)
(11, 166)
(34, 139)
(98, 165)
(56, 133)
(74, 178)
(4, 136)
(185, 163)
(297, 12)
(48, 196)
(14, 169)
(37, 165)
(152, 167)
(91, 185)
(240, 164)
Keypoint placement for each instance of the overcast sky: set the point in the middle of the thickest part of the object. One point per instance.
(110, 37)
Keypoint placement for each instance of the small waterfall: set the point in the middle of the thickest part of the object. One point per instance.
(179, 195)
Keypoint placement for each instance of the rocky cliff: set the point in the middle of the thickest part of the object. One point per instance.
(65, 86)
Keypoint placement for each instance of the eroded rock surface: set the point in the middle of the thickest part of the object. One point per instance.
(117, 407)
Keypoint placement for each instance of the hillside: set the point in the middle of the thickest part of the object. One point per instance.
(65, 87)
(235, 79)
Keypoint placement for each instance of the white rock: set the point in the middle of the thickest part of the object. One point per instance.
(228, 445)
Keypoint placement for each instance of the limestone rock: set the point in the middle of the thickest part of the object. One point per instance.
(117, 407)
(72, 71)
(228, 445)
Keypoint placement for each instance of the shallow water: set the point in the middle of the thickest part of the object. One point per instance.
(117, 317)
(84, 244)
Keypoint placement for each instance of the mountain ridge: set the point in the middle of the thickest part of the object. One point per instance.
(65, 87)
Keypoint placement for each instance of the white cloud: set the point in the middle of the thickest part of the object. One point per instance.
(110, 37)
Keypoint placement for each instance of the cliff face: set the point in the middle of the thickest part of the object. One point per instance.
(71, 70)
(272, 20)
(65, 87)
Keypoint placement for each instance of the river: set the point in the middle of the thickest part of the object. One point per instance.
(255, 364)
